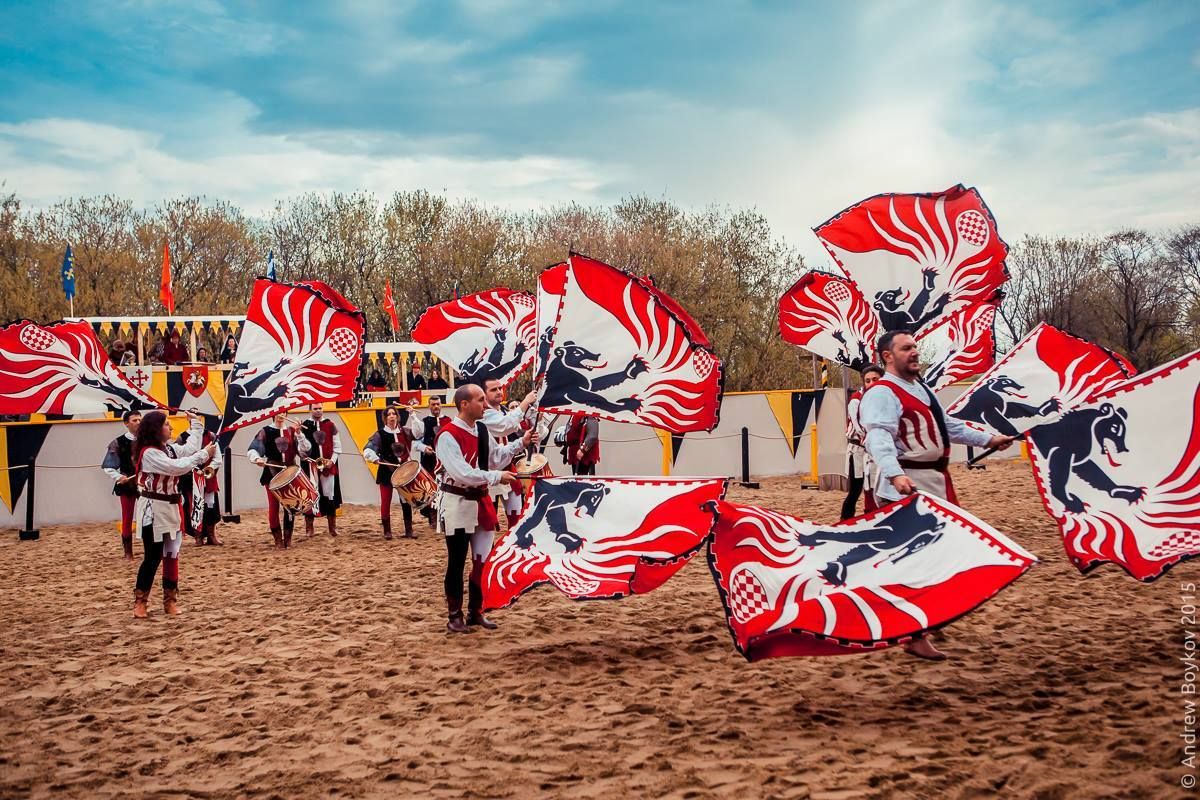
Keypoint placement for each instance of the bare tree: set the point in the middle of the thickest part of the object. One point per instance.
(1142, 297)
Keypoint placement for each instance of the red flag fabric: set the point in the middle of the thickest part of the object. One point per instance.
(620, 353)
(1120, 474)
(960, 346)
(166, 290)
(919, 257)
(61, 368)
(389, 305)
(601, 538)
(791, 587)
(1046, 374)
(828, 315)
(489, 335)
(302, 343)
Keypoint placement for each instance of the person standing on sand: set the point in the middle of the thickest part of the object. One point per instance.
(118, 464)
(159, 505)
(909, 437)
(856, 454)
(466, 515)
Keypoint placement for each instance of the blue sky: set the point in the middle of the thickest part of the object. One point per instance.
(1069, 117)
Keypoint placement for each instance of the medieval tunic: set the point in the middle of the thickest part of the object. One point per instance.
(458, 452)
(390, 446)
(273, 446)
(118, 463)
(502, 425)
(909, 434)
(324, 440)
(159, 507)
(424, 430)
(200, 493)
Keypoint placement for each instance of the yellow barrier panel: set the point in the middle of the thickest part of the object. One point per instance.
(814, 471)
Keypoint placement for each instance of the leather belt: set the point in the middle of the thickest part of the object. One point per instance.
(470, 493)
(937, 466)
(166, 498)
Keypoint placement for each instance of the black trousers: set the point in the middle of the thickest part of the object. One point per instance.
(850, 504)
(583, 469)
(457, 546)
(151, 557)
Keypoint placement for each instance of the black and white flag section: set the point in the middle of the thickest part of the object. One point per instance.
(827, 315)
(489, 335)
(1120, 473)
(61, 368)
(1046, 374)
(961, 345)
(622, 350)
(551, 283)
(601, 538)
(302, 343)
(917, 258)
(796, 588)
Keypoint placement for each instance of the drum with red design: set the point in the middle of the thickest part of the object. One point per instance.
(293, 490)
(532, 466)
(415, 484)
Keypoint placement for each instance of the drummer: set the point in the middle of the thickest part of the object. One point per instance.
(323, 439)
(505, 425)
(389, 447)
(275, 447)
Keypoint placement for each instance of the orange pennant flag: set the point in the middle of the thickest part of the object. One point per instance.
(389, 305)
(166, 292)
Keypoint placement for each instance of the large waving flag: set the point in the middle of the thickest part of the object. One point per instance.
(1120, 473)
(68, 274)
(1046, 374)
(61, 368)
(166, 289)
(601, 538)
(301, 344)
(489, 335)
(827, 315)
(919, 257)
(960, 346)
(622, 351)
(796, 588)
(552, 282)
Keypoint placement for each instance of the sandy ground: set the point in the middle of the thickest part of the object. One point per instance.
(326, 672)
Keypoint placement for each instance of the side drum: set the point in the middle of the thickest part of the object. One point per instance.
(293, 490)
(414, 483)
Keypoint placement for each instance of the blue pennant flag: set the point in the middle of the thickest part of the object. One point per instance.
(68, 274)
(271, 265)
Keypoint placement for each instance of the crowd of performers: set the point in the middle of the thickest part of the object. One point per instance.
(462, 468)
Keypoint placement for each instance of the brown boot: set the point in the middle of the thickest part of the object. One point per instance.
(331, 521)
(127, 546)
(456, 623)
(212, 535)
(406, 510)
(309, 523)
(387, 528)
(477, 618)
(171, 601)
(277, 534)
(289, 525)
(139, 604)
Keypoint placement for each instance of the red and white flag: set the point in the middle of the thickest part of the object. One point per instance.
(1046, 374)
(796, 588)
(621, 352)
(601, 538)
(552, 282)
(828, 315)
(62, 368)
(166, 287)
(960, 346)
(489, 335)
(302, 343)
(389, 305)
(1120, 474)
(919, 257)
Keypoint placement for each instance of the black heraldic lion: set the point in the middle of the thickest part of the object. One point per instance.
(567, 380)
(906, 532)
(1067, 446)
(994, 403)
(893, 316)
(550, 504)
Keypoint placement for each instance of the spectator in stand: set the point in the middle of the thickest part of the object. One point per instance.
(202, 356)
(375, 382)
(129, 357)
(155, 356)
(116, 352)
(174, 352)
(416, 380)
(229, 351)
(436, 382)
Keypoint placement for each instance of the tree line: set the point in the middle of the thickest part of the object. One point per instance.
(1134, 292)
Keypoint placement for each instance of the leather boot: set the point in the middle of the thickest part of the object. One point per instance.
(477, 618)
(289, 525)
(212, 535)
(331, 521)
(455, 624)
(139, 604)
(278, 536)
(387, 528)
(408, 528)
(171, 601)
(127, 546)
(309, 522)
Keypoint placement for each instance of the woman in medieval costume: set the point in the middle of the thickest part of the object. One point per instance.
(392, 445)
(159, 506)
